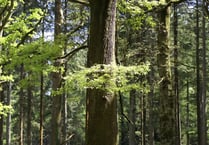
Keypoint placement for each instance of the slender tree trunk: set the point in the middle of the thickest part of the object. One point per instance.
(1, 117)
(29, 111)
(21, 107)
(123, 139)
(1, 93)
(132, 117)
(41, 107)
(41, 127)
(150, 101)
(143, 119)
(176, 78)
(167, 110)
(8, 124)
(101, 113)
(65, 103)
(187, 118)
(56, 133)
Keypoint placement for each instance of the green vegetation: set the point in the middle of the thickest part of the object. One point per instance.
(77, 71)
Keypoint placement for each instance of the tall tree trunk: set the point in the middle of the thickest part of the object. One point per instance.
(41, 107)
(41, 127)
(29, 111)
(65, 103)
(1, 91)
(8, 124)
(1, 116)
(201, 79)
(123, 136)
(150, 101)
(143, 119)
(21, 107)
(56, 132)
(201, 90)
(132, 118)
(167, 110)
(101, 113)
(187, 118)
(176, 77)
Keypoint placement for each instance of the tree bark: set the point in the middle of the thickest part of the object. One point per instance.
(41, 127)
(21, 107)
(123, 131)
(167, 111)
(65, 94)
(29, 117)
(8, 124)
(1, 117)
(151, 112)
(187, 118)
(143, 119)
(132, 117)
(56, 132)
(201, 80)
(176, 77)
(101, 113)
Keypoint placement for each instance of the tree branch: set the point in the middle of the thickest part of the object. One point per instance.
(71, 53)
(121, 105)
(75, 30)
(161, 6)
(83, 2)
(65, 141)
(29, 32)
(9, 13)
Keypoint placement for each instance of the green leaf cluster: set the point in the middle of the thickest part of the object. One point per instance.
(108, 77)
(5, 109)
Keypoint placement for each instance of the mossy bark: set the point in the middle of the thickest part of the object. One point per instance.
(167, 108)
(101, 113)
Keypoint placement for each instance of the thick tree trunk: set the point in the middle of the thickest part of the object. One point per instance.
(167, 110)
(101, 113)
(56, 133)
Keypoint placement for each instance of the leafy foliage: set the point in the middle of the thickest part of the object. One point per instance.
(108, 78)
(5, 109)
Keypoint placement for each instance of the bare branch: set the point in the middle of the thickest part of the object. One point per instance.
(75, 30)
(71, 53)
(64, 142)
(83, 2)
